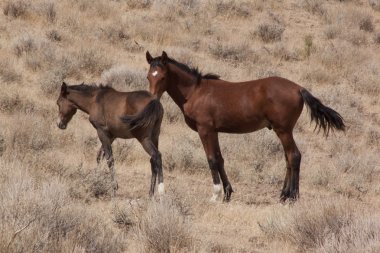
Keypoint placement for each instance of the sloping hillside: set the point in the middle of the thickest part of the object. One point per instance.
(54, 198)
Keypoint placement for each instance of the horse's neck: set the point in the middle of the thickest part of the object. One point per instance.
(82, 101)
(181, 86)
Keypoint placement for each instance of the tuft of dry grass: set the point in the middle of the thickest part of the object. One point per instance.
(16, 9)
(314, 6)
(307, 225)
(8, 73)
(270, 31)
(163, 228)
(366, 24)
(40, 216)
(125, 78)
(375, 4)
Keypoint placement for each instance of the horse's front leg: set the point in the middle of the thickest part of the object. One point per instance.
(106, 139)
(210, 143)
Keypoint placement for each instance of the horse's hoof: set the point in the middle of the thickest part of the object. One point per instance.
(227, 193)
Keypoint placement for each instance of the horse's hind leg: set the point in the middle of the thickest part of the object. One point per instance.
(293, 161)
(156, 164)
(106, 141)
(100, 155)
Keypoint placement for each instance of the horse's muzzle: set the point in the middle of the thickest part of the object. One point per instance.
(61, 125)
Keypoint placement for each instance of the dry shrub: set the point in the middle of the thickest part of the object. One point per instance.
(309, 46)
(139, 4)
(11, 103)
(361, 235)
(173, 10)
(51, 81)
(29, 133)
(316, 74)
(357, 38)
(234, 52)
(270, 31)
(366, 24)
(92, 60)
(54, 35)
(92, 183)
(375, 4)
(40, 216)
(308, 224)
(125, 78)
(233, 8)
(8, 73)
(163, 228)
(24, 45)
(314, 6)
(332, 31)
(48, 10)
(188, 157)
(16, 9)
(282, 52)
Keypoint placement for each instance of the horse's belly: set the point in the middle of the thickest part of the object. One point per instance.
(242, 126)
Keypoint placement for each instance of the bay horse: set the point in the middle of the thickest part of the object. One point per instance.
(211, 105)
(114, 115)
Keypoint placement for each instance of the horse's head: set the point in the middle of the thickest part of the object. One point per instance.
(157, 74)
(66, 108)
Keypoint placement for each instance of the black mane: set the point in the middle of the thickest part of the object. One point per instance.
(88, 88)
(192, 71)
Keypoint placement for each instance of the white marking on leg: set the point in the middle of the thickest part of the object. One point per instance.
(216, 192)
(161, 189)
(155, 73)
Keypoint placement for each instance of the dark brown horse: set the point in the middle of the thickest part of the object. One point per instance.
(211, 105)
(117, 115)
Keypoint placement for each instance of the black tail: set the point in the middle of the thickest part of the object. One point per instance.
(152, 112)
(324, 116)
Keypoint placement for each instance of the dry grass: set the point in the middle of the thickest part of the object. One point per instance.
(163, 228)
(55, 198)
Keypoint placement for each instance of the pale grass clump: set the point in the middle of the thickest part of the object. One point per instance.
(40, 216)
(163, 228)
(24, 45)
(233, 8)
(332, 32)
(139, 4)
(13, 103)
(188, 157)
(21, 139)
(308, 224)
(47, 9)
(314, 6)
(8, 73)
(375, 4)
(51, 81)
(16, 9)
(270, 31)
(361, 235)
(174, 10)
(233, 52)
(92, 60)
(124, 78)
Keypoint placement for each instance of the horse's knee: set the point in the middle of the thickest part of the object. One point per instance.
(296, 160)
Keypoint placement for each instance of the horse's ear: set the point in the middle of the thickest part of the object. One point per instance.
(64, 89)
(149, 58)
(164, 58)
